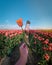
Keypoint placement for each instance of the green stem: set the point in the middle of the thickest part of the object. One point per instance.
(26, 41)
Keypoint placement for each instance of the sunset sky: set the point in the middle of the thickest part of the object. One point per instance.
(39, 12)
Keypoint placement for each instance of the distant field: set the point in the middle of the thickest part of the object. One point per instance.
(44, 30)
(47, 30)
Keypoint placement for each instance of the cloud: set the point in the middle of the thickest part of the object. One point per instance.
(40, 27)
(9, 26)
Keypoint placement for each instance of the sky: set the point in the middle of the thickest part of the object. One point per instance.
(38, 12)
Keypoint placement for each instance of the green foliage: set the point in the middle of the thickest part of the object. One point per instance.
(7, 44)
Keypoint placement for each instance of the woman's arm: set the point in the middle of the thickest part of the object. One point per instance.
(23, 55)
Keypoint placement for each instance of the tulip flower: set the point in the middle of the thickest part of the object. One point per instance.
(50, 44)
(27, 27)
(19, 22)
(46, 56)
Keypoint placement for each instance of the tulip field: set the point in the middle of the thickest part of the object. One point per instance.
(40, 41)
